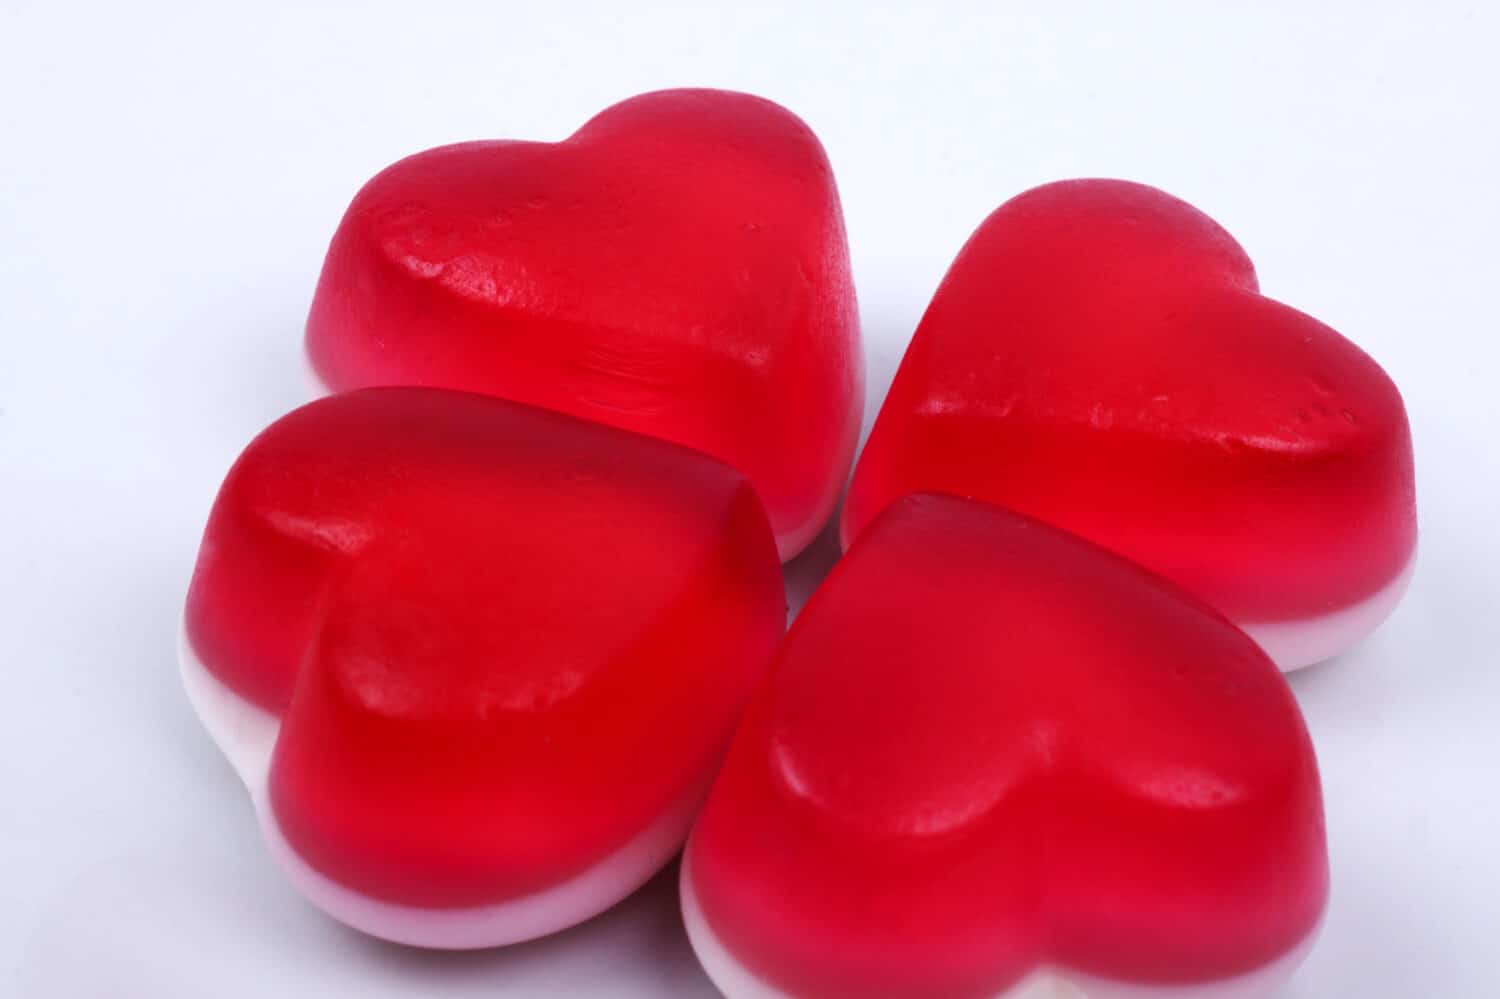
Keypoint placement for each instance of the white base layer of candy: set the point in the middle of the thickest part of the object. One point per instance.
(738, 982)
(247, 735)
(1305, 642)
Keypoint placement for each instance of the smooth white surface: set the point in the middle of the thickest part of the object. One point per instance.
(246, 735)
(736, 981)
(170, 178)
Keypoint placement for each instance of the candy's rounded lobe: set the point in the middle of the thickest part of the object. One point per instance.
(678, 267)
(1099, 357)
(989, 747)
(501, 643)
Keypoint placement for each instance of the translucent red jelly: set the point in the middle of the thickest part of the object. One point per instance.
(501, 640)
(677, 267)
(1099, 357)
(988, 745)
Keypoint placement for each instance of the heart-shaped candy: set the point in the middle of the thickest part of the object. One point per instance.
(476, 661)
(1099, 357)
(992, 757)
(676, 267)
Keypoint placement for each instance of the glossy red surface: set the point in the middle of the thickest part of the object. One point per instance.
(677, 267)
(1099, 357)
(502, 640)
(987, 744)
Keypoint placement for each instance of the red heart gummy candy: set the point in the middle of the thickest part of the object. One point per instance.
(677, 267)
(498, 652)
(991, 753)
(1099, 357)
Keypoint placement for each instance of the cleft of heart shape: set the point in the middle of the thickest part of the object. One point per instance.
(677, 267)
(992, 756)
(1100, 356)
(476, 661)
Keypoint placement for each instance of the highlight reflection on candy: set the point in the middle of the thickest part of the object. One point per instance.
(476, 662)
(1099, 356)
(677, 267)
(991, 758)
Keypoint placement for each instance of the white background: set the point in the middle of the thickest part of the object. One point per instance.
(169, 177)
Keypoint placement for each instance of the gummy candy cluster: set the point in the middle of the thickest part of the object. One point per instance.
(497, 626)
